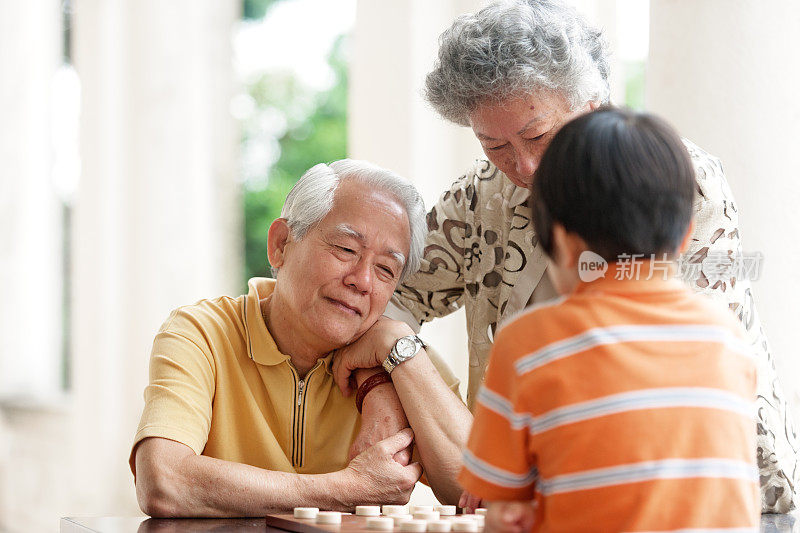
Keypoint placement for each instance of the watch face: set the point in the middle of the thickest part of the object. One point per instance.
(406, 347)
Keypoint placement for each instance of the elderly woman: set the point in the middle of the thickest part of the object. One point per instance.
(515, 72)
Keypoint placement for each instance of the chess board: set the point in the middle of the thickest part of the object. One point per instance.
(287, 522)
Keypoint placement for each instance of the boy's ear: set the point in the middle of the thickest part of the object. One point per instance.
(278, 236)
(567, 247)
(687, 239)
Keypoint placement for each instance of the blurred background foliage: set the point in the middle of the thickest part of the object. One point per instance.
(290, 127)
(306, 127)
(256, 9)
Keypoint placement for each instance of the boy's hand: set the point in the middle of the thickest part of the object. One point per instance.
(510, 517)
(469, 502)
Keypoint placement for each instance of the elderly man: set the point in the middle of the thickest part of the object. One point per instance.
(242, 415)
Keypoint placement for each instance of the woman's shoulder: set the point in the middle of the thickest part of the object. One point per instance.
(711, 181)
(481, 173)
(480, 185)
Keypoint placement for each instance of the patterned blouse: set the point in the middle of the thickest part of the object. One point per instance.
(481, 238)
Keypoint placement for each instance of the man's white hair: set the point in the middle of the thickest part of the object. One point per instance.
(312, 198)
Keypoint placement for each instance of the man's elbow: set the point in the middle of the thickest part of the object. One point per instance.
(155, 506)
(156, 496)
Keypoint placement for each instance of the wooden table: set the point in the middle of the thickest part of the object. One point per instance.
(770, 523)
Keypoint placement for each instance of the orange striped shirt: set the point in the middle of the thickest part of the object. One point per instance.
(628, 406)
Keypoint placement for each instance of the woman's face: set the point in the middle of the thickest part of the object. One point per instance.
(515, 132)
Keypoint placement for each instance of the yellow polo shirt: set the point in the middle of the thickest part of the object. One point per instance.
(219, 384)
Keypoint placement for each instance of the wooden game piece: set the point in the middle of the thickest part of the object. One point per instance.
(329, 517)
(426, 515)
(416, 526)
(464, 524)
(478, 518)
(446, 510)
(399, 518)
(368, 510)
(306, 512)
(382, 523)
(440, 526)
(394, 509)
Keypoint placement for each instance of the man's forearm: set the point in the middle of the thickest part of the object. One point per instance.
(382, 414)
(441, 423)
(196, 485)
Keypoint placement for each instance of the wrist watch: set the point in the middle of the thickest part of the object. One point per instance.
(404, 349)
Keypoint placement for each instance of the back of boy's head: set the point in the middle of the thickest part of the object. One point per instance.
(622, 181)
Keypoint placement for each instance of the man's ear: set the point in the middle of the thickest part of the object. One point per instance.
(687, 239)
(567, 247)
(278, 236)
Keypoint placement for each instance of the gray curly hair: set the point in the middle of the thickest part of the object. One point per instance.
(311, 199)
(517, 47)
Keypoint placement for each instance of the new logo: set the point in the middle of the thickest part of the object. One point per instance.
(591, 266)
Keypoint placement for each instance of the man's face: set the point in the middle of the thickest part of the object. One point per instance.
(335, 282)
(515, 133)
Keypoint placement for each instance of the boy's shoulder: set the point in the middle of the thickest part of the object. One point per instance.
(716, 313)
(538, 326)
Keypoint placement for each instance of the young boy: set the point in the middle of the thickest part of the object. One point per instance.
(628, 404)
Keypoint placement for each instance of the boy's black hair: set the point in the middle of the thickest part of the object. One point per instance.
(623, 181)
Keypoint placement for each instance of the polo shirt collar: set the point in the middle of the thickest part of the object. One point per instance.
(621, 279)
(261, 346)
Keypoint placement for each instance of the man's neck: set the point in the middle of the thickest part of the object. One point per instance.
(303, 356)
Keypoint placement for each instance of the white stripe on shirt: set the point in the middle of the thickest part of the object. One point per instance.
(496, 475)
(660, 398)
(648, 471)
(502, 406)
(629, 333)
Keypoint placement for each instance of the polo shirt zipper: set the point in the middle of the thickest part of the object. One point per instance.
(298, 419)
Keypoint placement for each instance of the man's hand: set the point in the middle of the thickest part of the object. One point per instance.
(375, 477)
(368, 351)
(382, 415)
(510, 517)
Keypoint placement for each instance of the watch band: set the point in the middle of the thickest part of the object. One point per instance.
(393, 359)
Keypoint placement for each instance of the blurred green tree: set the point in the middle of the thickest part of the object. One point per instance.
(256, 9)
(634, 84)
(316, 132)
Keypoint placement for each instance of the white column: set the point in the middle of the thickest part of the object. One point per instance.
(725, 73)
(157, 211)
(603, 14)
(389, 123)
(30, 210)
(394, 47)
